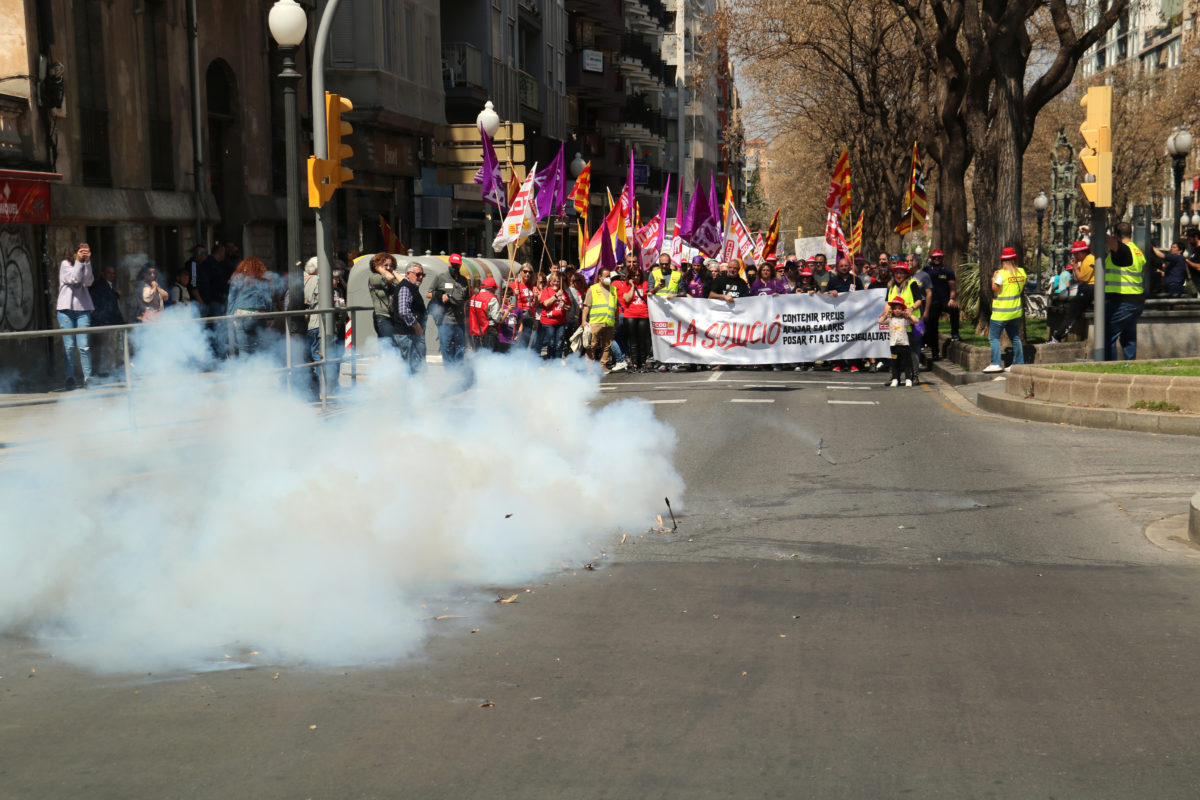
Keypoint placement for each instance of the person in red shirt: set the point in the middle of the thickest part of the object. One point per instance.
(635, 317)
(523, 291)
(553, 302)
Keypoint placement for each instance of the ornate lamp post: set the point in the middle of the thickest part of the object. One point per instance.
(577, 164)
(1040, 204)
(1179, 145)
(288, 23)
(488, 121)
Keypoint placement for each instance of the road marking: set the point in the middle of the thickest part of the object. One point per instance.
(748, 400)
(715, 376)
(853, 402)
(849, 388)
(662, 402)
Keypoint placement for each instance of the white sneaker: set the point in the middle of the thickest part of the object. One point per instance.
(907, 382)
(1008, 368)
(620, 366)
(894, 383)
(993, 368)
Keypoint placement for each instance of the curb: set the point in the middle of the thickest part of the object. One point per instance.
(999, 402)
(1194, 519)
(955, 375)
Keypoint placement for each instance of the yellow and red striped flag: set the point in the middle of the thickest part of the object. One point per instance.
(391, 242)
(580, 191)
(771, 242)
(855, 243)
(838, 199)
(514, 183)
(916, 204)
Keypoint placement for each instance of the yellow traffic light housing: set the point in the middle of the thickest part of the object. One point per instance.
(326, 175)
(335, 129)
(1097, 155)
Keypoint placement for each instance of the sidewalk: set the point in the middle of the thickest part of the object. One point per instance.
(996, 399)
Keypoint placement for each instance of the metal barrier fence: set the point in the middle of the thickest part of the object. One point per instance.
(231, 320)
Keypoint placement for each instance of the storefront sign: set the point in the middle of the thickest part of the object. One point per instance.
(24, 202)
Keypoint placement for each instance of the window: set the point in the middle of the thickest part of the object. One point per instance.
(390, 31)
(158, 97)
(412, 69)
(94, 159)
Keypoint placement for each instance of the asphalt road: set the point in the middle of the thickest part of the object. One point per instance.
(871, 593)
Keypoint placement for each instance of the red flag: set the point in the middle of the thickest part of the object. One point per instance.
(833, 232)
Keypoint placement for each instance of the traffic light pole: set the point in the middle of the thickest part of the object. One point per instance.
(320, 142)
(1100, 251)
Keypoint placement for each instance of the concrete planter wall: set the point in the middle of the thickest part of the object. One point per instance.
(1110, 391)
(973, 359)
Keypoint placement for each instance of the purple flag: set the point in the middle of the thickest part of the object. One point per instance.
(551, 185)
(702, 223)
(491, 182)
(607, 259)
(687, 218)
(631, 187)
(662, 216)
(712, 195)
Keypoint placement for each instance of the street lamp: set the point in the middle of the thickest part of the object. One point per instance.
(1179, 145)
(577, 164)
(1040, 204)
(488, 120)
(288, 23)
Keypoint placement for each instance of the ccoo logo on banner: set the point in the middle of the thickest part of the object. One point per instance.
(769, 329)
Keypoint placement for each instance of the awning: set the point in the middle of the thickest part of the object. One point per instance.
(25, 196)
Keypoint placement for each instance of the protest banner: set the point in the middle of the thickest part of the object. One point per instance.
(769, 329)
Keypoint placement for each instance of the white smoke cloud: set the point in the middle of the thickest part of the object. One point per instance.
(234, 518)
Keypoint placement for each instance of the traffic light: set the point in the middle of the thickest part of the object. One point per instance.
(326, 175)
(1097, 135)
(335, 129)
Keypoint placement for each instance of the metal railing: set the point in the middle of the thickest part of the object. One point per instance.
(230, 320)
(463, 65)
(527, 90)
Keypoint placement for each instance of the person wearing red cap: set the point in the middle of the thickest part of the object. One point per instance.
(1008, 286)
(943, 300)
(450, 292)
(1082, 264)
(483, 315)
(909, 289)
(899, 320)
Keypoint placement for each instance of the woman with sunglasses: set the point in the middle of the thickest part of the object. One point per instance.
(524, 293)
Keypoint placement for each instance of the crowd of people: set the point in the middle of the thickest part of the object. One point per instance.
(607, 319)
(214, 284)
(558, 311)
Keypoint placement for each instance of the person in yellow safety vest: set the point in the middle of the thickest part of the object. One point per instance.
(600, 312)
(664, 280)
(1124, 295)
(1082, 263)
(1008, 285)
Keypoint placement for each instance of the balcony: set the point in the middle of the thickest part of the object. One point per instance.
(527, 91)
(462, 65)
(530, 7)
